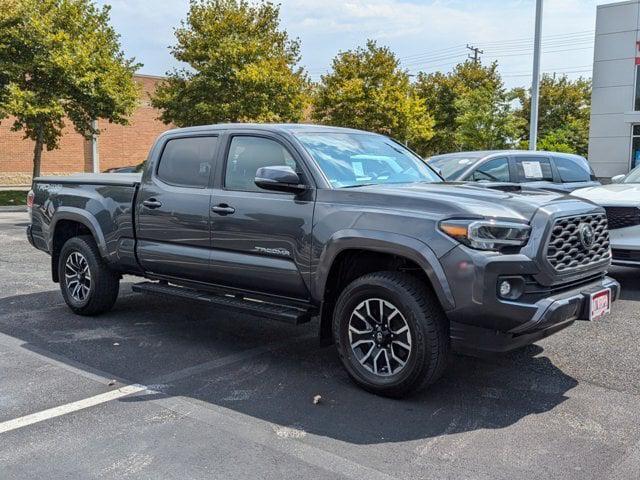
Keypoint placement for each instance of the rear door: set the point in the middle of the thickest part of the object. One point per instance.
(535, 170)
(173, 208)
(261, 239)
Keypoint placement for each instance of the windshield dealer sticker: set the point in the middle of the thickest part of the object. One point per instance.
(532, 169)
(357, 169)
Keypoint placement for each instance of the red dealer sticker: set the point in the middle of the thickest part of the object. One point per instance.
(600, 304)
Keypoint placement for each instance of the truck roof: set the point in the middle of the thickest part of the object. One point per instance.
(480, 154)
(282, 127)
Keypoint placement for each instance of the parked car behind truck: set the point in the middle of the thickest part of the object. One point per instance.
(296, 221)
(561, 172)
(621, 201)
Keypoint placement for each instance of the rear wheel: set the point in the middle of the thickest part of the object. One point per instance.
(88, 286)
(391, 333)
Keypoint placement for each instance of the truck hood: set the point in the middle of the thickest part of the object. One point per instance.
(614, 195)
(500, 201)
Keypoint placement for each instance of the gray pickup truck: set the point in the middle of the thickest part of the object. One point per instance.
(294, 222)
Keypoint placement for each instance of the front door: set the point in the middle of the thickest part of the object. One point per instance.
(173, 209)
(261, 239)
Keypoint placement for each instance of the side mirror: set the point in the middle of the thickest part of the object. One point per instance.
(617, 179)
(280, 178)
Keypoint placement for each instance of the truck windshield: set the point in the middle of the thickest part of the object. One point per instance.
(357, 159)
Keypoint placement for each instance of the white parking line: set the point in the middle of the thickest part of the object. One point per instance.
(69, 407)
(8, 341)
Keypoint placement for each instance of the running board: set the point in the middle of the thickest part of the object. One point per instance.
(275, 311)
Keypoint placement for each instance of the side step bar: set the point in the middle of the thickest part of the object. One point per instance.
(285, 313)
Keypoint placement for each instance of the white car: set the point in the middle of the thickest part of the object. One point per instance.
(621, 200)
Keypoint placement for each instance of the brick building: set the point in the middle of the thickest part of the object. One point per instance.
(118, 145)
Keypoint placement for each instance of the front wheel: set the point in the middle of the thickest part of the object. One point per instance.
(88, 286)
(391, 333)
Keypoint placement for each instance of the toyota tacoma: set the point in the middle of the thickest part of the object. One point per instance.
(295, 222)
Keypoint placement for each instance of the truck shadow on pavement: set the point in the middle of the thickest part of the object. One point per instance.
(146, 339)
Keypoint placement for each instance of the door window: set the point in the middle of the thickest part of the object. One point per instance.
(187, 162)
(248, 154)
(494, 170)
(573, 169)
(534, 169)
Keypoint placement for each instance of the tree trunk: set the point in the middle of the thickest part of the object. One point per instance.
(37, 153)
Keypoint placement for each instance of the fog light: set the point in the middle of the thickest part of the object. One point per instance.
(504, 288)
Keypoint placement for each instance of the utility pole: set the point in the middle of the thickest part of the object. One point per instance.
(535, 83)
(476, 53)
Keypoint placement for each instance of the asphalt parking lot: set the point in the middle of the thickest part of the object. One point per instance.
(160, 388)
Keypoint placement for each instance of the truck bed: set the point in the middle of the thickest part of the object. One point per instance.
(101, 203)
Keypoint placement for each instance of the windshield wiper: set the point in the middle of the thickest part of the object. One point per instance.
(361, 185)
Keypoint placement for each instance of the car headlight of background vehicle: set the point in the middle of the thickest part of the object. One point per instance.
(486, 234)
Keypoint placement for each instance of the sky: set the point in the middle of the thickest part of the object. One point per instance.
(426, 35)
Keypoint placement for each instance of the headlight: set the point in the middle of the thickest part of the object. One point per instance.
(487, 234)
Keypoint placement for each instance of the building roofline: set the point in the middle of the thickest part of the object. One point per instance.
(617, 4)
(144, 75)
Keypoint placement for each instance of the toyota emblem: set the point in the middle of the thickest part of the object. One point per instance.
(587, 235)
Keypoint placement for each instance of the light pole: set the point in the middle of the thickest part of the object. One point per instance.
(95, 158)
(535, 83)
(409, 93)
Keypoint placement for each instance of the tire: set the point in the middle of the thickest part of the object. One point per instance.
(399, 371)
(86, 295)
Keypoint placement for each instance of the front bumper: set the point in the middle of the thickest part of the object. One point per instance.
(552, 314)
(482, 321)
(625, 257)
(625, 246)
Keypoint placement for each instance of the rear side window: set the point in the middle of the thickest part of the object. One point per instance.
(534, 169)
(187, 162)
(573, 169)
(495, 170)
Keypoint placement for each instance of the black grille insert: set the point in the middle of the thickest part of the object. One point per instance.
(621, 217)
(628, 255)
(566, 251)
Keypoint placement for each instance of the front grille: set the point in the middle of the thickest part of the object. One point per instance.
(565, 250)
(627, 255)
(534, 291)
(621, 217)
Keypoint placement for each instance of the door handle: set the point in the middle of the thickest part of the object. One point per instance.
(152, 203)
(223, 209)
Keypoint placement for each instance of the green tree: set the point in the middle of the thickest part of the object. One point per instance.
(563, 114)
(485, 120)
(366, 89)
(470, 107)
(241, 67)
(60, 59)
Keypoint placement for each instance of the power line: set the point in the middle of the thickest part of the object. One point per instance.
(546, 71)
(573, 36)
(528, 54)
(506, 52)
(548, 37)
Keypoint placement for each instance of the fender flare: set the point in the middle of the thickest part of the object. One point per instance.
(384, 242)
(80, 216)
